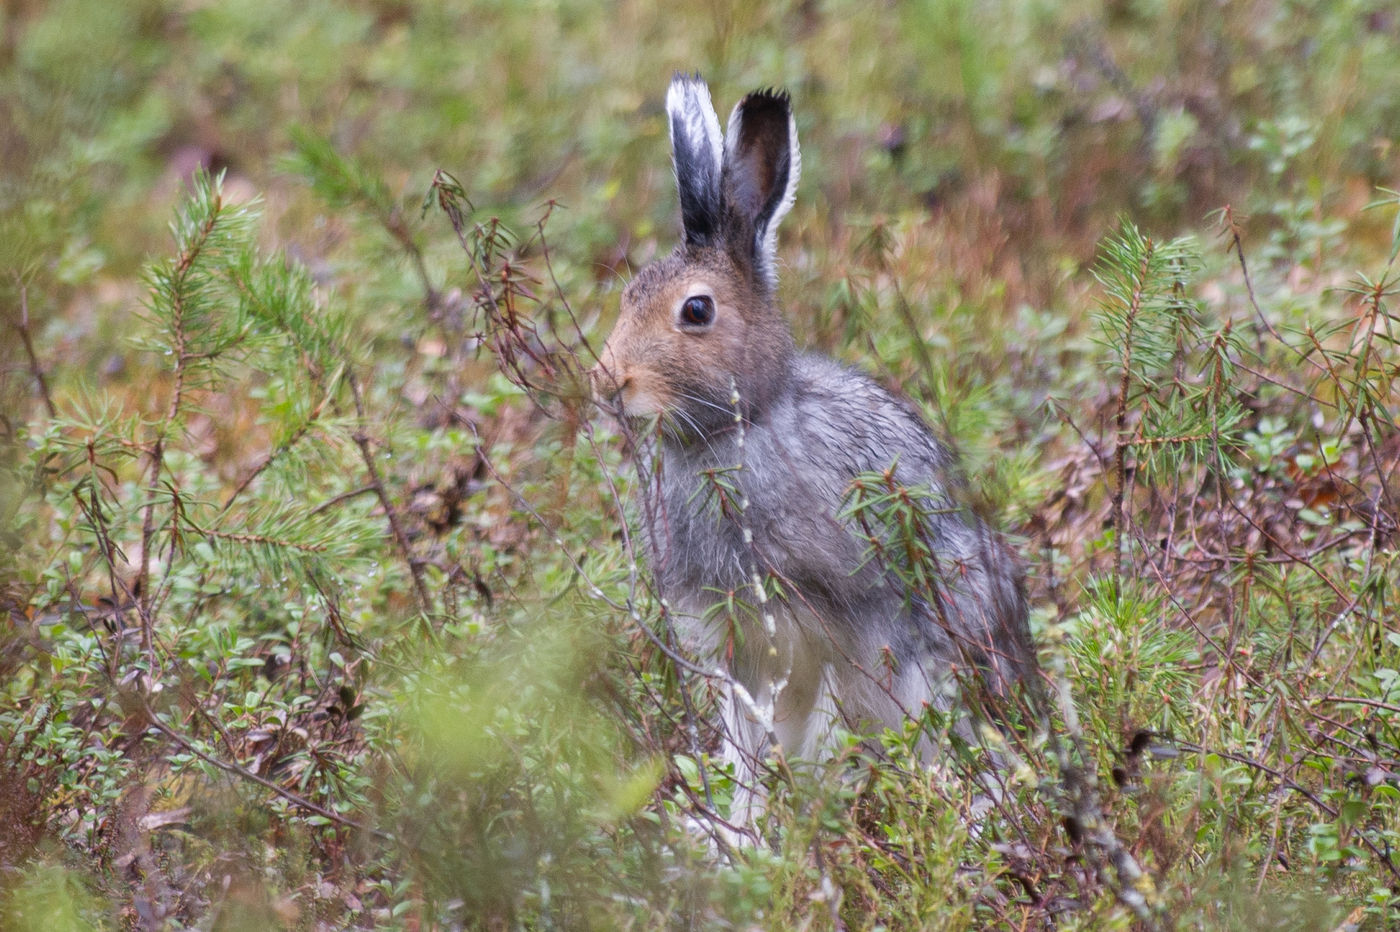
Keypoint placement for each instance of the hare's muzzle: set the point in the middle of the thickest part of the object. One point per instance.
(604, 381)
(625, 387)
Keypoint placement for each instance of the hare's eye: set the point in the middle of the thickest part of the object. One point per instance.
(698, 311)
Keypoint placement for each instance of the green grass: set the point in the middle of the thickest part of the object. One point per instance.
(321, 603)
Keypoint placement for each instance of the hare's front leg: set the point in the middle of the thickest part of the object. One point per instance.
(744, 748)
(797, 712)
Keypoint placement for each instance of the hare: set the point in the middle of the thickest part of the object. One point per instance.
(770, 580)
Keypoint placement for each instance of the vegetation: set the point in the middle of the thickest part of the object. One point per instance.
(321, 603)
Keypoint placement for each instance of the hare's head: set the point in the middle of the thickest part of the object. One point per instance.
(699, 334)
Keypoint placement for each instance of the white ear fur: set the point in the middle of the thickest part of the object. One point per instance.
(697, 150)
(770, 235)
(693, 114)
(766, 248)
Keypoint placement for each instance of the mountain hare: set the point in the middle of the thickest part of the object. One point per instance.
(772, 583)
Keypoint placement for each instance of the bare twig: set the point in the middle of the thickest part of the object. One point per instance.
(391, 515)
(35, 368)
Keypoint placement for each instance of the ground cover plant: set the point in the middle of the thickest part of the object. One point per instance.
(323, 604)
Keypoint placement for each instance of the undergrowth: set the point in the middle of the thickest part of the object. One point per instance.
(324, 605)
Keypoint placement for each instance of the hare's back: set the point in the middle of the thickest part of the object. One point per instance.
(861, 426)
(837, 423)
(832, 425)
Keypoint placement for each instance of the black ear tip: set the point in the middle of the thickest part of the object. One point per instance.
(773, 99)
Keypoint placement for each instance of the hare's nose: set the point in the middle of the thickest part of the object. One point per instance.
(604, 381)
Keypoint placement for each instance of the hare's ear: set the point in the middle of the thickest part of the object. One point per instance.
(759, 179)
(696, 149)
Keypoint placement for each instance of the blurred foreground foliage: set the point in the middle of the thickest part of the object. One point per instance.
(321, 606)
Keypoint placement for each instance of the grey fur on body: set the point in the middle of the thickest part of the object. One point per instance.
(890, 651)
(702, 345)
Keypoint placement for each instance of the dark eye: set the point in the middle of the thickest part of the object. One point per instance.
(698, 311)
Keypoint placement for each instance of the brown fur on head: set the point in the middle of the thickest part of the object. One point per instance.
(699, 336)
(656, 362)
